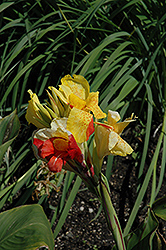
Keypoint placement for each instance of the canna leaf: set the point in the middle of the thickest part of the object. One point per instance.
(140, 238)
(25, 227)
(159, 207)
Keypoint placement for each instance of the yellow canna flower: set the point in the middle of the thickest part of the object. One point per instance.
(80, 124)
(76, 92)
(107, 136)
(36, 113)
(74, 101)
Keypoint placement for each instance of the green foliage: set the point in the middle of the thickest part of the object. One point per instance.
(159, 207)
(25, 227)
(9, 127)
(119, 46)
(10, 191)
(140, 238)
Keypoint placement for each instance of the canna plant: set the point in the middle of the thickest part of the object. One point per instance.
(36, 34)
(71, 118)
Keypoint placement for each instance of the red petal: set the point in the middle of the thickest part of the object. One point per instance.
(37, 142)
(90, 129)
(74, 151)
(46, 149)
(55, 164)
(72, 142)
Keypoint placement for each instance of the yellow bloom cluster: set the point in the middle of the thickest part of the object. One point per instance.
(74, 101)
(75, 104)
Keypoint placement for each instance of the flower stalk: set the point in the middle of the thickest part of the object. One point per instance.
(110, 214)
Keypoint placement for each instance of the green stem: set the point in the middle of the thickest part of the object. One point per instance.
(111, 216)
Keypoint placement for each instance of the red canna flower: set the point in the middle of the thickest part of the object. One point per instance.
(56, 148)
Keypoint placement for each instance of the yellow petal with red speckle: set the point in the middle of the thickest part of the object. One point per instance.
(78, 85)
(76, 102)
(92, 104)
(66, 91)
(78, 124)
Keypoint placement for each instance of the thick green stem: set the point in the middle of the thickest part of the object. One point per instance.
(111, 216)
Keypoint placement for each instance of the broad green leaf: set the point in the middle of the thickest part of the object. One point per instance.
(25, 227)
(14, 166)
(163, 165)
(126, 89)
(158, 242)
(140, 238)
(67, 182)
(12, 24)
(159, 207)
(89, 61)
(114, 58)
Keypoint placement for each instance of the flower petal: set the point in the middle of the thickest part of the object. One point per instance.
(90, 129)
(37, 142)
(59, 123)
(46, 149)
(113, 117)
(58, 93)
(109, 142)
(92, 104)
(78, 85)
(113, 140)
(44, 134)
(121, 148)
(102, 141)
(76, 102)
(60, 144)
(119, 127)
(55, 164)
(53, 105)
(74, 151)
(66, 91)
(78, 124)
(33, 115)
